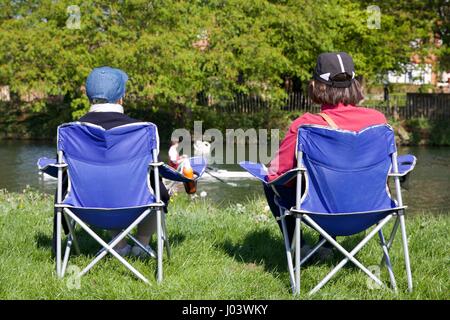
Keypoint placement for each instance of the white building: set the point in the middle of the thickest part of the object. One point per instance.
(414, 74)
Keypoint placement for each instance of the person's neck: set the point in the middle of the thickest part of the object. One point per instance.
(106, 107)
(335, 106)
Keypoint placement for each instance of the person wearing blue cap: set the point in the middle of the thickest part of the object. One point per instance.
(105, 88)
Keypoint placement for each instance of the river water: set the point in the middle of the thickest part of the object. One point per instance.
(429, 184)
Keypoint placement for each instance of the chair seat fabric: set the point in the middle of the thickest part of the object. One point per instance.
(109, 219)
(346, 173)
(109, 184)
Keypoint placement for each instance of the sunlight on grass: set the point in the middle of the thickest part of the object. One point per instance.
(233, 252)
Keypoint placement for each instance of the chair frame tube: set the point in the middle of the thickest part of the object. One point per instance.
(158, 219)
(72, 220)
(298, 221)
(59, 215)
(294, 272)
(398, 193)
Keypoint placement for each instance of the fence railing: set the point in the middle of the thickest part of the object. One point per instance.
(434, 106)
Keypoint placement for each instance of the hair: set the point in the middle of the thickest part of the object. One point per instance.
(322, 93)
(176, 140)
(101, 100)
(98, 101)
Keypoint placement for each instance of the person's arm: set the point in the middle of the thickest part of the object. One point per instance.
(284, 160)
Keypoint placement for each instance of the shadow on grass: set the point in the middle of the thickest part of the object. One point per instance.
(262, 248)
(88, 246)
(258, 247)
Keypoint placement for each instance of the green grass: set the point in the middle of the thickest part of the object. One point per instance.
(233, 252)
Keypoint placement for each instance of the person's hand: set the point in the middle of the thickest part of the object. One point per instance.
(182, 158)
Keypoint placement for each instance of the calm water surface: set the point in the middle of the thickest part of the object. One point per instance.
(429, 184)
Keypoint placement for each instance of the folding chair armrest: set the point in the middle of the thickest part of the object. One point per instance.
(158, 204)
(259, 171)
(50, 166)
(198, 165)
(286, 177)
(406, 164)
(156, 164)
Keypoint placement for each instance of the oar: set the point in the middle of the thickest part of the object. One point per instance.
(208, 171)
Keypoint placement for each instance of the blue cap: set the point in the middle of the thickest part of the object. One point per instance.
(106, 83)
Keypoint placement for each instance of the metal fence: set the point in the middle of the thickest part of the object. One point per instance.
(434, 106)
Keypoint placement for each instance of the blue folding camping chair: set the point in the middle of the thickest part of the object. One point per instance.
(346, 192)
(109, 186)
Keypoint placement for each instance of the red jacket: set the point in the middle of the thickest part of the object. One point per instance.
(346, 117)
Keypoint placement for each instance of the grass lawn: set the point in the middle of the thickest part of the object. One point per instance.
(233, 252)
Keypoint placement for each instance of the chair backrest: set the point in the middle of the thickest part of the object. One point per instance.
(108, 168)
(347, 171)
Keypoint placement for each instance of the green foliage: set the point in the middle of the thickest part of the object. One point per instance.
(426, 132)
(252, 45)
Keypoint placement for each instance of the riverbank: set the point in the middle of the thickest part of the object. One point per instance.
(231, 252)
(17, 125)
(422, 132)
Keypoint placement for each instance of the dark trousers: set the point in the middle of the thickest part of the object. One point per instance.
(288, 198)
(164, 194)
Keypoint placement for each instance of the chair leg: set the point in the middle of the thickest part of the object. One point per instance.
(406, 252)
(288, 254)
(71, 224)
(140, 245)
(109, 247)
(166, 237)
(71, 239)
(159, 246)
(349, 256)
(393, 233)
(66, 255)
(387, 260)
(297, 253)
(312, 252)
(391, 237)
(58, 242)
(100, 254)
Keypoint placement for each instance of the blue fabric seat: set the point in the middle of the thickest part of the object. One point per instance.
(109, 184)
(118, 161)
(346, 192)
(108, 169)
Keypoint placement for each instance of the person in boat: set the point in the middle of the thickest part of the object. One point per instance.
(105, 88)
(336, 89)
(175, 160)
(183, 165)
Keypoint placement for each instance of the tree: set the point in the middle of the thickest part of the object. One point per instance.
(249, 46)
